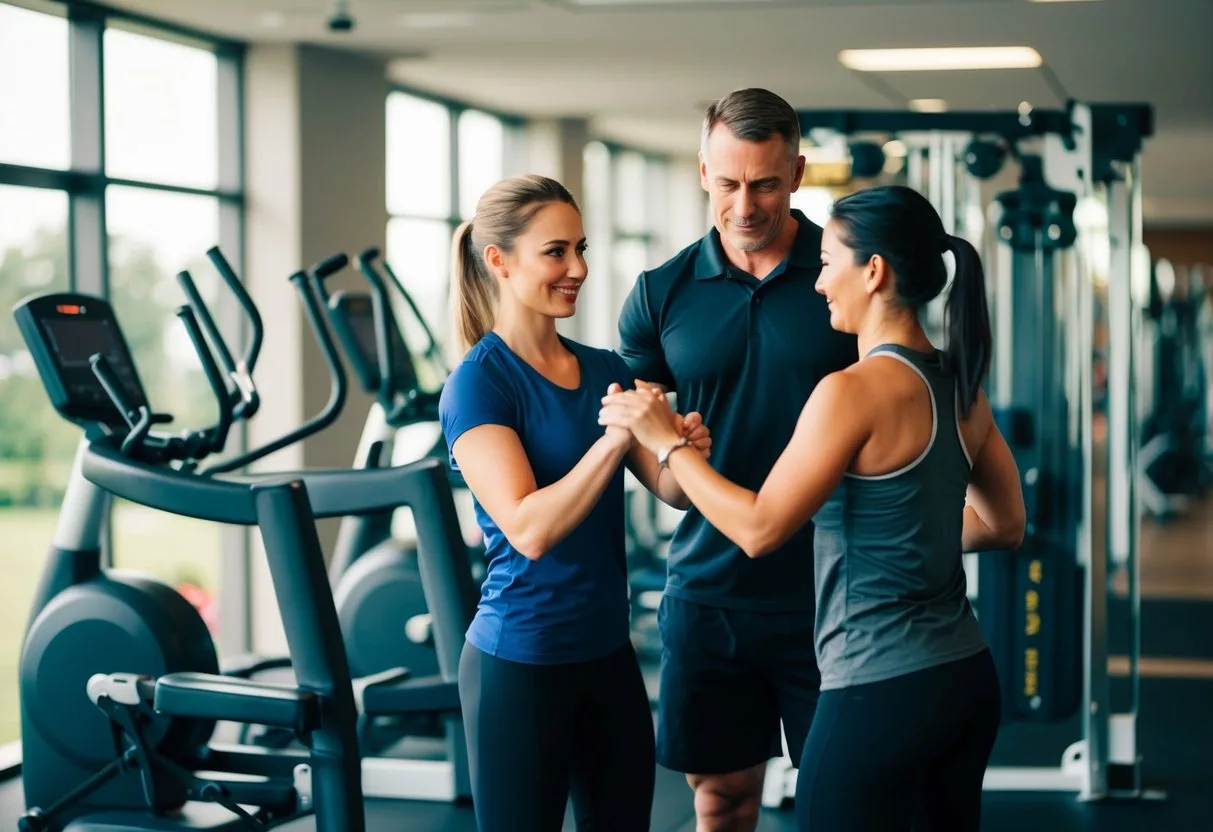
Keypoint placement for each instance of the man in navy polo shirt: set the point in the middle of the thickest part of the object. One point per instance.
(734, 326)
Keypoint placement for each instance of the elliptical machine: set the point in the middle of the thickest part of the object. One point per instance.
(137, 650)
(131, 762)
(376, 584)
(375, 576)
(410, 727)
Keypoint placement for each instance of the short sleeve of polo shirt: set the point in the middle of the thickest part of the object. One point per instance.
(640, 338)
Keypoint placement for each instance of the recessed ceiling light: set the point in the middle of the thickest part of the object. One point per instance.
(273, 20)
(928, 105)
(967, 57)
(661, 2)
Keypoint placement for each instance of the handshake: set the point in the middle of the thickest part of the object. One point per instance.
(644, 416)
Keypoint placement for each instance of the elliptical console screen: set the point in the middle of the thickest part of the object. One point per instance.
(355, 324)
(63, 332)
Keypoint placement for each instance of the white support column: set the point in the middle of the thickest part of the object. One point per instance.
(687, 218)
(315, 143)
(556, 148)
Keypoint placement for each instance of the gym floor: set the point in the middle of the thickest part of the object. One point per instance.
(1175, 731)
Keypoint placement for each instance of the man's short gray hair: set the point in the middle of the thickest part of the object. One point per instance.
(753, 114)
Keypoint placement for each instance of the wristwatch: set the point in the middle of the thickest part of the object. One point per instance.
(663, 457)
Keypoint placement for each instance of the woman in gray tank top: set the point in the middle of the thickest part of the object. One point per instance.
(899, 465)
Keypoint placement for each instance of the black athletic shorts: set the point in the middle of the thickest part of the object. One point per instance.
(728, 680)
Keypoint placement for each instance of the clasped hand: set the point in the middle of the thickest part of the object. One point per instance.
(646, 414)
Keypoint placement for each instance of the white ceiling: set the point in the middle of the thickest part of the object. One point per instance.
(643, 74)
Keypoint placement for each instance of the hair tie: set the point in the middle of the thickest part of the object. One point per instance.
(946, 244)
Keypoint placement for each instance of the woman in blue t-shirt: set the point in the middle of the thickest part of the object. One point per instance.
(553, 699)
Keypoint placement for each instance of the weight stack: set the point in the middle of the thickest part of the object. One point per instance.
(1030, 600)
(1047, 680)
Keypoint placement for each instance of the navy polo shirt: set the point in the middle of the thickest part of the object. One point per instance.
(746, 353)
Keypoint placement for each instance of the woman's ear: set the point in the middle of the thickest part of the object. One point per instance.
(874, 274)
(494, 258)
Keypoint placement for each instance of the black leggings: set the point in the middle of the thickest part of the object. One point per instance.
(538, 733)
(908, 752)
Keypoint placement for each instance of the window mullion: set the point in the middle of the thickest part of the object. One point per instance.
(87, 261)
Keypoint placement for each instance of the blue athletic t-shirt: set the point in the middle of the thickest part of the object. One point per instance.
(572, 604)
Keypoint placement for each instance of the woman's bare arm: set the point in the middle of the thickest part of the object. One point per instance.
(496, 469)
(994, 515)
(831, 430)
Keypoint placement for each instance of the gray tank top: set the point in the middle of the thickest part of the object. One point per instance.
(891, 588)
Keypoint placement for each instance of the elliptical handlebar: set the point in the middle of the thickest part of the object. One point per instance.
(432, 351)
(202, 314)
(113, 388)
(366, 262)
(325, 269)
(140, 419)
(214, 439)
(309, 292)
(244, 398)
(257, 334)
(188, 447)
(240, 399)
(381, 306)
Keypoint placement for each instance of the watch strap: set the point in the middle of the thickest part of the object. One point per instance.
(663, 458)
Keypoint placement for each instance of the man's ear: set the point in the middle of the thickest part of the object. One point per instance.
(798, 173)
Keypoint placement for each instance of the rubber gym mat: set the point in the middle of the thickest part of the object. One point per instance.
(1179, 628)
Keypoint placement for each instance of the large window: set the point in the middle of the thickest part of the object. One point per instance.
(153, 235)
(440, 159)
(161, 111)
(33, 89)
(481, 157)
(114, 176)
(162, 132)
(36, 447)
(632, 194)
(419, 197)
(626, 205)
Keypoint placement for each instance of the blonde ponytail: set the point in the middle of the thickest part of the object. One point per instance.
(473, 291)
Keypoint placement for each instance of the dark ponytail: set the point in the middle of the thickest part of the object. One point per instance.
(968, 317)
(901, 226)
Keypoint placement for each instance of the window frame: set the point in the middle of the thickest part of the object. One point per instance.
(85, 182)
(653, 234)
(655, 193)
(512, 127)
(513, 138)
